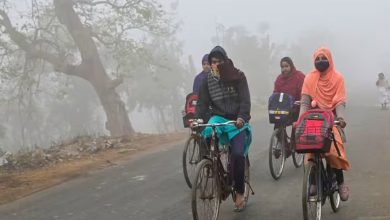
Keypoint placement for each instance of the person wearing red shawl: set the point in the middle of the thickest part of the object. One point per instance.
(290, 82)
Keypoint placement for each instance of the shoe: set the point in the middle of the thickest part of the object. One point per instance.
(241, 205)
(344, 192)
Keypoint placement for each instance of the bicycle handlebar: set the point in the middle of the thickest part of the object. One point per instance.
(197, 124)
(297, 103)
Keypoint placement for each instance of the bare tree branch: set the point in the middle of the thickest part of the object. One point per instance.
(22, 41)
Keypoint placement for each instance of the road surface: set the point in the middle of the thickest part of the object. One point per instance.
(153, 187)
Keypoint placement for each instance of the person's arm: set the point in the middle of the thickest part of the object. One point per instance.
(305, 104)
(340, 109)
(245, 100)
(195, 86)
(202, 106)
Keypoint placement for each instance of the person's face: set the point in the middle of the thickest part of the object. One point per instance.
(286, 68)
(206, 66)
(215, 62)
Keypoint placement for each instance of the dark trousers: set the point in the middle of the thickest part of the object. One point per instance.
(237, 162)
(339, 176)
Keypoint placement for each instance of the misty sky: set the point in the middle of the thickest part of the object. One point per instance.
(361, 24)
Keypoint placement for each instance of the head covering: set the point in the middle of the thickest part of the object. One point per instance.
(218, 52)
(289, 61)
(327, 89)
(205, 58)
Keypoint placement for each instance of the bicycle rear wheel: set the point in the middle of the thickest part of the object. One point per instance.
(311, 195)
(277, 157)
(191, 157)
(205, 192)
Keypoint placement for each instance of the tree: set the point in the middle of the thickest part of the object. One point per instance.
(71, 35)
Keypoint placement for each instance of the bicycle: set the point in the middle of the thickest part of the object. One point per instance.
(325, 183)
(278, 149)
(213, 180)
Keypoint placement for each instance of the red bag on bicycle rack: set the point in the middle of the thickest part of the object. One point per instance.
(313, 132)
(189, 109)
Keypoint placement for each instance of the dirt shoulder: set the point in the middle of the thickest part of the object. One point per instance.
(30, 172)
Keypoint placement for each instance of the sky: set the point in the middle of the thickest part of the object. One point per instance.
(288, 20)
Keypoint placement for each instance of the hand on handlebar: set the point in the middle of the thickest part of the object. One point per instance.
(341, 122)
(240, 123)
(195, 122)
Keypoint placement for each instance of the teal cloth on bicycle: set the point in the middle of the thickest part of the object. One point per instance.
(226, 133)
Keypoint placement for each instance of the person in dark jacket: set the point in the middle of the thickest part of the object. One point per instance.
(225, 93)
(201, 76)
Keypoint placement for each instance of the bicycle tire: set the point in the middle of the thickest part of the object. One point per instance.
(311, 171)
(185, 163)
(276, 174)
(215, 188)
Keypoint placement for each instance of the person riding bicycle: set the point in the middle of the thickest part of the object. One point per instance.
(290, 82)
(202, 75)
(324, 88)
(225, 93)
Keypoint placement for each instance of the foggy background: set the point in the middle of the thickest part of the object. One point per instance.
(40, 107)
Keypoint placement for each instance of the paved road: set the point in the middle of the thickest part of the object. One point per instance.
(153, 187)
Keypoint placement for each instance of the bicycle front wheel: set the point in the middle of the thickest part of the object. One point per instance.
(205, 192)
(311, 195)
(276, 154)
(191, 157)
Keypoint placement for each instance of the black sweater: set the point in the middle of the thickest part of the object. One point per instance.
(229, 100)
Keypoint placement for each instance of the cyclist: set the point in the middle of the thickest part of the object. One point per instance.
(225, 93)
(290, 81)
(202, 75)
(324, 88)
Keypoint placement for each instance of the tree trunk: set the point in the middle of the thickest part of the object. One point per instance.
(118, 122)
(90, 69)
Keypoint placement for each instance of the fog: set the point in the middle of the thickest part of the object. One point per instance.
(355, 31)
(130, 70)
